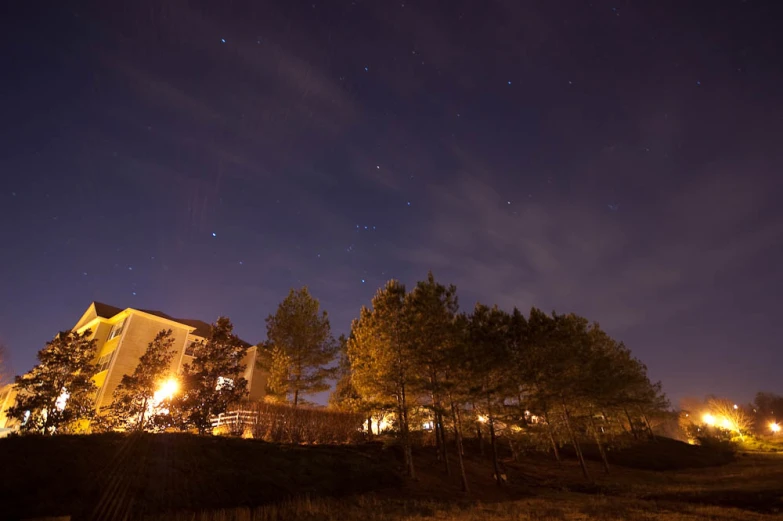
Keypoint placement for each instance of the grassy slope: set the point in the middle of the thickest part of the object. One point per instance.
(72, 474)
(171, 472)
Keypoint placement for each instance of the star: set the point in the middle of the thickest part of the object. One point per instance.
(223, 40)
(362, 281)
(214, 234)
(366, 69)
(509, 83)
(409, 203)
(698, 83)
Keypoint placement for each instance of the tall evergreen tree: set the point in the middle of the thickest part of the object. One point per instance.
(431, 309)
(488, 358)
(58, 391)
(382, 359)
(134, 401)
(213, 382)
(301, 340)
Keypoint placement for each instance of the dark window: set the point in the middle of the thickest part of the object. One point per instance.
(104, 361)
(116, 330)
(191, 349)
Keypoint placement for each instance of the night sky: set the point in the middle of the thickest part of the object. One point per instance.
(622, 160)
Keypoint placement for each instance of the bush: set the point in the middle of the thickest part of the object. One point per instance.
(300, 425)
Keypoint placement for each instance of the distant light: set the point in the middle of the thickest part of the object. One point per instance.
(223, 40)
(362, 281)
(366, 69)
(735, 406)
(214, 234)
(482, 419)
(774, 427)
(509, 83)
(708, 418)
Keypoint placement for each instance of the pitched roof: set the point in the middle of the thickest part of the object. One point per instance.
(202, 328)
(105, 310)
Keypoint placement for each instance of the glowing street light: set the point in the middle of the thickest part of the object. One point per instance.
(166, 390)
(774, 427)
(483, 419)
(709, 419)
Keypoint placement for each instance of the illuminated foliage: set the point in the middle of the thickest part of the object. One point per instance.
(58, 391)
(134, 402)
(301, 345)
(212, 383)
(382, 359)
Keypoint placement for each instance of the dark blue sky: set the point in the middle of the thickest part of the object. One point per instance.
(621, 160)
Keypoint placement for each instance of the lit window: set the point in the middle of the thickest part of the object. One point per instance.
(116, 330)
(224, 382)
(59, 404)
(104, 361)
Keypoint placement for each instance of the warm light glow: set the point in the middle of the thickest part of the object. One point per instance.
(726, 423)
(774, 427)
(735, 407)
(483, 419)
(708, 418)
(166, 390)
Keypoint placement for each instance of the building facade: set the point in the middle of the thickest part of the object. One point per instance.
(123, 335)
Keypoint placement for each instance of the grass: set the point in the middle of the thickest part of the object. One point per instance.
(178, 477)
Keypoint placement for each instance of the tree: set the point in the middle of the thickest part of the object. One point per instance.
(430, 311)
(768, 411)
(300, 338)
(58, 391)
(213, 382)
(488, 358)
(137, 396)
(381, 359)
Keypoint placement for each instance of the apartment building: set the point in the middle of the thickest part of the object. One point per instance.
(122, 336)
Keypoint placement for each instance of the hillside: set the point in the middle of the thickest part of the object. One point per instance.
(156, 475)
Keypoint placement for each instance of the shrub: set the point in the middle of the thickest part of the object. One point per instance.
(301, 425)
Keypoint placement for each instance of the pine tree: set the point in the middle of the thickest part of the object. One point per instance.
(59, 391)
(431, 309)
(301, 339)
(134, 401)
(381, 359)
(213, 382)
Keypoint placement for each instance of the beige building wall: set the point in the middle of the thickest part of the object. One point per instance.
(138, 331)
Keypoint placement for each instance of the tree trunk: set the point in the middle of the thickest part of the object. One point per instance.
(369, 427)
(551, 436)
(647, 423)
(140, 427)
(600, 445)
(493, 443)
(443, 447)
(406, 436)
(296, 397)
(458, 439)
(574, 441)
(478, 432)
(461, 435)
(630, 424)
